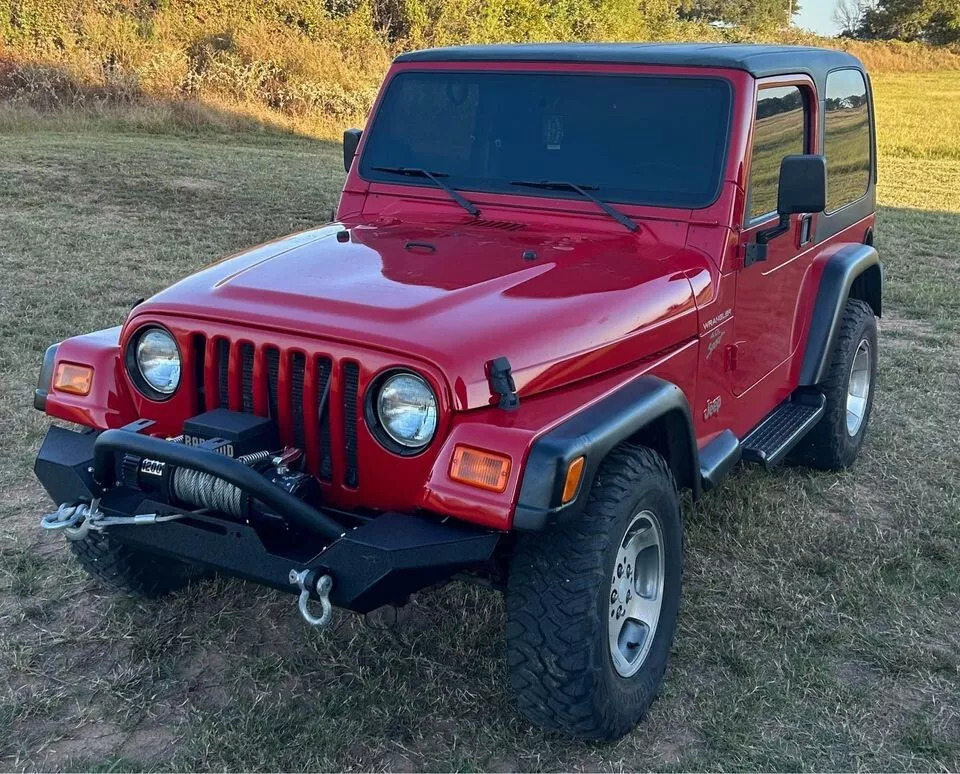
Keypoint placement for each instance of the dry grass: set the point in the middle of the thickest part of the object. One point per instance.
(896, 56)
(918, 116)
(819, 625)
(312, 68)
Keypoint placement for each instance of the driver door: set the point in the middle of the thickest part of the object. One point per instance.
(767, 291)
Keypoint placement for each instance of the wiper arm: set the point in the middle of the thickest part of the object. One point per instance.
(584, 191)
(435, 177)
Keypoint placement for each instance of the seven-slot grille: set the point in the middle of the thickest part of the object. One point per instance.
(306, 395)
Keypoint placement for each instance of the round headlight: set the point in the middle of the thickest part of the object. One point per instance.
(158, 360)
(407, 410)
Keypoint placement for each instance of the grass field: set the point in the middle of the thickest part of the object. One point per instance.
(820, 627)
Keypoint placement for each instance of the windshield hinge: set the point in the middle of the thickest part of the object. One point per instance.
(500, 376)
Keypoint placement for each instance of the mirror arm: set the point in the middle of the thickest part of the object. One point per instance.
(757, 252)
(769, 234)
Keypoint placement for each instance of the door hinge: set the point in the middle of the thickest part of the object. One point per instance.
(754, 252)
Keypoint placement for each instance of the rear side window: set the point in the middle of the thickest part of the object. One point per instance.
(779, 129)
(846, 138)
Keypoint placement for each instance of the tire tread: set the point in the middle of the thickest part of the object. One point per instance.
(129, 570)
(552, 630)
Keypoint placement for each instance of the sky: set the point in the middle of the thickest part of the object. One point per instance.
(817, 16)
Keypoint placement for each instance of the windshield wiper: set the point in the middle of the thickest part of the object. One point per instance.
(435, 177)
(584, 191)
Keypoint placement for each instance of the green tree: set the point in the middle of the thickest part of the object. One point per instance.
(931, 21)
(756, 14)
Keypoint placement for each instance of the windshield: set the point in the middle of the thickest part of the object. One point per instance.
(657, 140)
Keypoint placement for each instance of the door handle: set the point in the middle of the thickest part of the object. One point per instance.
(805, 230)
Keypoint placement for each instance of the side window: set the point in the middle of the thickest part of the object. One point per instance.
(846, 138)
(779, 130)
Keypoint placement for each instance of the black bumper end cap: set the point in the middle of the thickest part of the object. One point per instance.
(64, 465)
(394, 555)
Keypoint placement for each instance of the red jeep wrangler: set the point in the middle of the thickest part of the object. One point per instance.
(564, 283)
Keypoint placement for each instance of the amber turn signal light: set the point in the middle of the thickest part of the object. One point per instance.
(572, 482)
(73, 378)
(480, 468)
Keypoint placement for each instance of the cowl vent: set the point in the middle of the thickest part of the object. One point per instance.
(503, 225)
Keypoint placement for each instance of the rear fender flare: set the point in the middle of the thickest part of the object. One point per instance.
(853, 271)
(648, 411)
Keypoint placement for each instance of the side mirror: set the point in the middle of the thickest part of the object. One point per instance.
(351, 139)
(803, 184)
(802, 188)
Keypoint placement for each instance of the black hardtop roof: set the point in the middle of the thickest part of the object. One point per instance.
(758, 60)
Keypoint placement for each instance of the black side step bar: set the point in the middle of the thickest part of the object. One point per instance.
(772, 439)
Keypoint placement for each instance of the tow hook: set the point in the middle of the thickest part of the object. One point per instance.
(304, 580)
(75, 520)
(79, 519)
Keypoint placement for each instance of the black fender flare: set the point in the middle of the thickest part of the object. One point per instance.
(45, 380)
(853, 271)
(648, 410)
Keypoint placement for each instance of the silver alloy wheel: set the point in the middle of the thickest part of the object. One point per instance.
(858, 388)
(636, 593)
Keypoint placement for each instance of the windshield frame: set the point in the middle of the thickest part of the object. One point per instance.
(554, 69)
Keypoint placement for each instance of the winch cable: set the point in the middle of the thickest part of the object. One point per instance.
(78, 519)
(204, 490)
(200, 489)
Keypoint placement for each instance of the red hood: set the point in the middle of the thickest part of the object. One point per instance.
(582, 305)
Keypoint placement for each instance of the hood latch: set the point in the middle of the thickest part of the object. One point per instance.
(500, 377)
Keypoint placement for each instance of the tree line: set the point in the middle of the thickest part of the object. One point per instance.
(396, 18)
(929, 21)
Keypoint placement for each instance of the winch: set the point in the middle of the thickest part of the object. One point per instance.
(249, 439)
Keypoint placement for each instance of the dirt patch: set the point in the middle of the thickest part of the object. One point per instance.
(677, 745)
(91, 741)
(154, 743)
(855, 673)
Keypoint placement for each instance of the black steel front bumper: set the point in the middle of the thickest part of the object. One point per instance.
(373, 561)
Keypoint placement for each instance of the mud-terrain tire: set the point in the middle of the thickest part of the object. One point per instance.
(129, 570)
(560, 649)
(835, 440)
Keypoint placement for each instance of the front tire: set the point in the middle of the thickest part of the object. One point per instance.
(129, 570)
(835, 441)
(592, 603)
